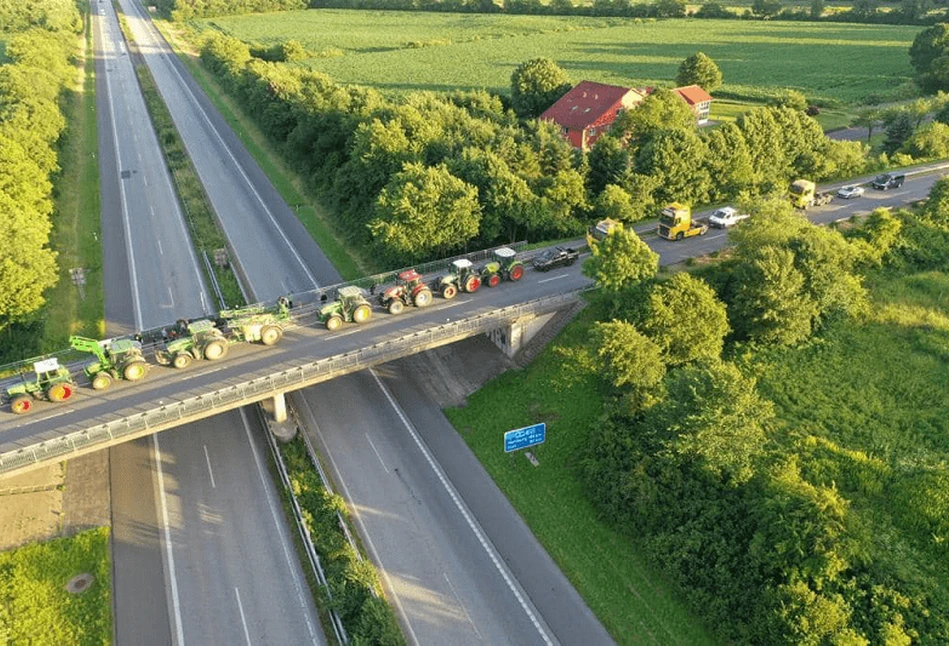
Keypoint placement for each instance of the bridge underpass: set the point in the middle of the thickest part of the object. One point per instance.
(167, 398)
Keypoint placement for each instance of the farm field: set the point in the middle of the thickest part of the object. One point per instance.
(402, 51)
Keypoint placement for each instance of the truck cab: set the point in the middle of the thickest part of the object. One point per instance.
(675, 223)
(803, 194)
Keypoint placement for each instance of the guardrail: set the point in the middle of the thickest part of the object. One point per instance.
(260, 388)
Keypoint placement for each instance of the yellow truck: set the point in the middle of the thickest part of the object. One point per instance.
(803, 194)
(676, 223)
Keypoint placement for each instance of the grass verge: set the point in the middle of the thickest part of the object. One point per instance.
(35, 607)
(291, 186)
(206, 235)
(560, 388)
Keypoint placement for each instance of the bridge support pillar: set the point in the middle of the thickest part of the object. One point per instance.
(280, 408)
(518, 333)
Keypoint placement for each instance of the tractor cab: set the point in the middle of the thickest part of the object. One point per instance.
(48, 370)
(122, 347)
(410, 279)
(350, 296)
(462, 266)
(505, 256)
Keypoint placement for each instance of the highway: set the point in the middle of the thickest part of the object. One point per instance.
(445, 589)
(485, 601)
(186, 569)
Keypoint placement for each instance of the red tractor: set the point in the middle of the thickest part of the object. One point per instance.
(408, 290)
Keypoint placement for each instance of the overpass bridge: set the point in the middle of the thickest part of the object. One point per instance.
(309, 354)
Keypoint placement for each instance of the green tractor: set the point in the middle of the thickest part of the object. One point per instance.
(199, 339)
(257, 324)
(504, 265)
(49, 381)
(461, 278)
(350, 306)
(116, 359)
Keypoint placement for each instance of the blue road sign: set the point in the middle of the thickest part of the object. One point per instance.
(522, 438)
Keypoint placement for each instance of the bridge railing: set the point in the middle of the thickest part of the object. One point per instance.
(292, 378)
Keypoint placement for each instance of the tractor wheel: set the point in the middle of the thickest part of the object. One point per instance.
(680, 235)
(181, 360)
(472, 284)
(215, 350)
(571, 261)
(517, 272)
(362, 313)
(334, 322)
(134, 371)
(449, 292)
(21, 404)
(396, 306)
(163, 358)
(59, 392)
(423, 298)
(271, 334)
(101, 381)
(493, 280)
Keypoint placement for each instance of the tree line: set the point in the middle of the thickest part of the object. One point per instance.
(752, 519)
(429, 174)
(38, 68)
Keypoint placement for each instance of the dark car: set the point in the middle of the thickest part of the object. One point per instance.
(553, 258)
(889, 180)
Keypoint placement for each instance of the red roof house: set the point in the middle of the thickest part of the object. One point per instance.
(588, 110)
(698, 100)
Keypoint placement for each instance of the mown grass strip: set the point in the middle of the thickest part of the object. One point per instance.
(36, 608)
(206, 235)
(560, 388)
(292, 187)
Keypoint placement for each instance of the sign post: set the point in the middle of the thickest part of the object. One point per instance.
(521, 438)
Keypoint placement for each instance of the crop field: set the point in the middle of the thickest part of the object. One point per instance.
(403, 51)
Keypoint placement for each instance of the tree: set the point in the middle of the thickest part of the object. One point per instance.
(898, 131)
(770, 304)
(817, 9)
(867, 118)
(669, 8)
(699, 69)
(716, 420)
(676, 158)
(628, 360)
(765, 9)
(790, 99)
(27, 265)
(929, 56)
(913, 10)
(929, 142)
(761, 131)
(616, 204)
(620, 260)
(609, 163)
(661, 110)
(684, 317)
(536, 85)
(936, 209)
(424, 211)
(728, 162)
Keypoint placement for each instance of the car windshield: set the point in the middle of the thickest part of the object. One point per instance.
(883, 178)
(547, 255)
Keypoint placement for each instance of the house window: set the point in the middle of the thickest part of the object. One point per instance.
(592, 132)
(563, 130)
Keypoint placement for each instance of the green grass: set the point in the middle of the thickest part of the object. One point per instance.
(560, 388)
(830, 63)
(76, 221)
(35, 607)
(290, 185)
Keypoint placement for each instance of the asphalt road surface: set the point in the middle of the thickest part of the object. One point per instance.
(461, 610)
(215, 566)
(280, 271)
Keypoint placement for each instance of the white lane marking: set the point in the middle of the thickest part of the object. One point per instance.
(463, 609)
(284, 540)
(164, 54)
(547, 280)
(144, 179)
(125, 214)
(377, 453)
(160, 251)
(171, 296)
(488, 548)
(169, 552)
(240, 607)
(207, 459)
(374, 553)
